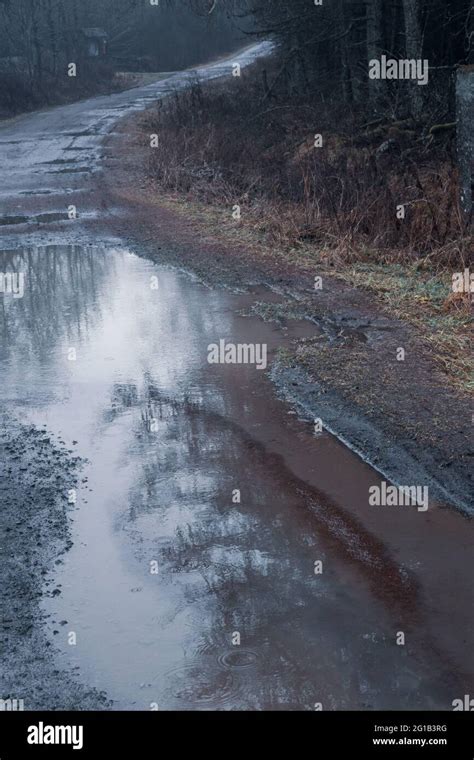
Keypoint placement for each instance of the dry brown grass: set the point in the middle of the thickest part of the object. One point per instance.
(335, 207)
(227, 148)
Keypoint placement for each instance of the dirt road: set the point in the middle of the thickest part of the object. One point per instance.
(175, 535)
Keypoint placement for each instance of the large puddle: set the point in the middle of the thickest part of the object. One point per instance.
(180, 594)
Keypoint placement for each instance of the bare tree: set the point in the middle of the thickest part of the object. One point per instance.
(375, 44)
(413, 47)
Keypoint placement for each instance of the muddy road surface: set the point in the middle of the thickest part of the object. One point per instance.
(176, 536)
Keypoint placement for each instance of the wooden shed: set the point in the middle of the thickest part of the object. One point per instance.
(95, 42)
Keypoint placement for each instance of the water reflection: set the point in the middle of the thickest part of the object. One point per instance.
(61, 286)
(185, 477)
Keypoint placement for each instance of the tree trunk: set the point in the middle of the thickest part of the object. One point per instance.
(375, 46)
(413, 49)
(465, 137)
(470, 36)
